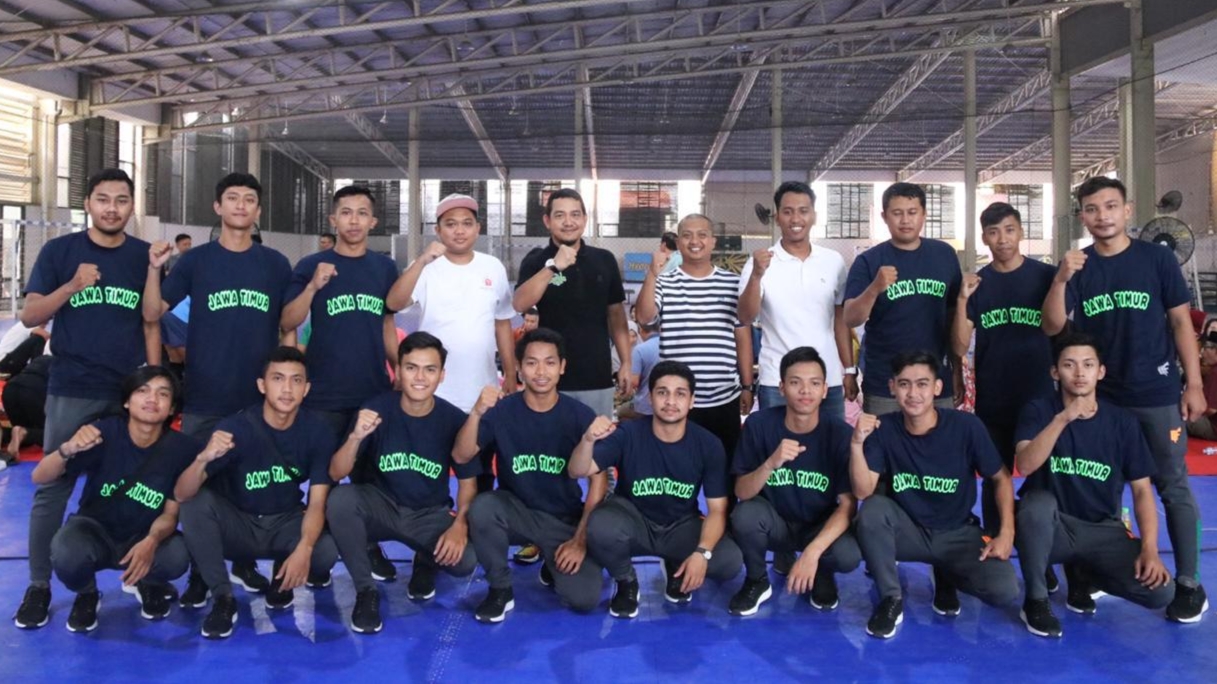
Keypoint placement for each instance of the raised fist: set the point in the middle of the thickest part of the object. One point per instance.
(86, 276)
(1073, 262)
(159, 253)
(565, 258)
(885, 278)
(219, 444)
(87, 437)
(761, 259)
(365, 423)
(866, 425)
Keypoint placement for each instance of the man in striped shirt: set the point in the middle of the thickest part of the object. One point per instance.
(696, 307)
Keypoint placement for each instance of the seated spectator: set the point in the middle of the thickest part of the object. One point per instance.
(1202, 427)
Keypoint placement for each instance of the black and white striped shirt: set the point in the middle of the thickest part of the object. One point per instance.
(698, 318)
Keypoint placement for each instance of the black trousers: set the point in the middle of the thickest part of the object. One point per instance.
(757, 528)
(82, 547)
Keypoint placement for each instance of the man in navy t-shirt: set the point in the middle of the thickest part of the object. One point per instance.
(662, 464)
(931, 457)
(1077, 452)
(259, 457)
(792, 465)
(127, 517)
(903, 290)
(236, 289)
(406, 438)
(1131, 296)
(533, 433)
(1013, 355)
(91, 283)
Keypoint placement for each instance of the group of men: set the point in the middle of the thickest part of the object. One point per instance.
(261, 418)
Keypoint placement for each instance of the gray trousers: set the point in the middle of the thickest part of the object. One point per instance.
(1160, 424)
(599, 400)
(64, 416)
(82, 547)
(499, 518)
(358, 514)
(617, 531)
(757, 528)
(1106, 551)
(887, 534)
(877, 406)
(216, 529)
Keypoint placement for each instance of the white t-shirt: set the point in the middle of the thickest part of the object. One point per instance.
(798, 299)
(459, 304)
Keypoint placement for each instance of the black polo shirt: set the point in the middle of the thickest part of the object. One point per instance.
(576, 305)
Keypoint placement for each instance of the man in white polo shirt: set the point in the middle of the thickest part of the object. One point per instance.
(796, 292)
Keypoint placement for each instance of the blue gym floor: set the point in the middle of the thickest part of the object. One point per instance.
(440, 641)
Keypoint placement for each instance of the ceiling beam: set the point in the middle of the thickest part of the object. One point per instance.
(372, 133)
(297, 154)
(1172, 138)
(743, 90)
(483, 137)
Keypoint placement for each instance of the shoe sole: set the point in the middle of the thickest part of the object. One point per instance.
(419, 597)
(946, 613)
(889, 635)
(241, 583)
(384, 578)
(624, 616)
(497, 618)
(1081, 611)
(526, 561)
(285, 606)
(1022, 615)
(1194, 619)
(21, 625)
(319, 585)
(756, 606)
(223, 635)
(87, 629)
(823, 607)
(200, 604)
(134, 591)
(367, 631)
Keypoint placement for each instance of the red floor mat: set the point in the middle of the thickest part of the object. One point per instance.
(1199, 462)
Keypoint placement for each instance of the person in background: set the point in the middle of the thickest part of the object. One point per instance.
(326, 241)
(181, 244)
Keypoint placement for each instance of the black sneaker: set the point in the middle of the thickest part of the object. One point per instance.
(824, 594)
(527, 555)
(783, 561)
(750, 597)
(946, 598)
(276, 597)
(671, 586)
(496, 605)
(1188, 605)
(382, 569)
(196, 592)
(422, 583)
(154, 599)
(1037, 615)
(1050, 579)
(83, 617)
(220, 622)
(1079, 600)
(245, 575)
(546, 578)
(365, 618)
(35, 608)
(887, 616)
(319, 579)
(625, 599)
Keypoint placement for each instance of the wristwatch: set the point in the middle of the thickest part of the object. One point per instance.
(553, 266)
(852, 370)
(705, 553)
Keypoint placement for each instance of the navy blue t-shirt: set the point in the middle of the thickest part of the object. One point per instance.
(933, 475)
(235, 302)
(806, 488)
(1122, 300)
(661, 478)
(261, 481)
(107, 467)
(1091, 460)
(912, 314)
(414, 454)
(1013, 355)
(533, 450)
(99, 333)
(346, 352)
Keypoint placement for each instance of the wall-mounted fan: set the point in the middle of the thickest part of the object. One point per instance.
(763, 213)
(1175, 235)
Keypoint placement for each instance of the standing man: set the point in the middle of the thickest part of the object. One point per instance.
(181, 245)
(89, 282)
(577, 288)
(1013, 355)
(696, 306)
(642, 360)
(903, 290)
(1131, 296)
(662, 465)
(797, 292)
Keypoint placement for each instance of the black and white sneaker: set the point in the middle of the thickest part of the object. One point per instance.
(83, 618)
(887, 617)
(154, 599)
(382, 569)
(319, 579)
(1188, 605)
(824, 595)
(546, 577)
(365, 618)
(1080, 600)
(1038, 617)
(276, 597)
(222, 619)
(671, 585)
(196, 592)
(35, 608)
(946, 597)
(245, 575)
(624, 603)
(750, 596)
(495, 606)
(1051, 580)
(422, 583)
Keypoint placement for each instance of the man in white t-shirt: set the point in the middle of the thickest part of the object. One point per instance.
(796, 291)
(464, 299)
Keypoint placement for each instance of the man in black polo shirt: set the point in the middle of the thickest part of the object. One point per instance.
(577, 288)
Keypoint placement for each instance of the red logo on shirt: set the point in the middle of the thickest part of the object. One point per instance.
(488, 282)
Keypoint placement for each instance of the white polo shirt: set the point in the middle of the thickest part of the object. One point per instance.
(798, 299)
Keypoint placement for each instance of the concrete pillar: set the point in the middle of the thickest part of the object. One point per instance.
(775, 139)
(969, 161)
(1143, 167)
(578, 135)
(506, 257)
(254, 162)
(1062, 202)
(414, 234)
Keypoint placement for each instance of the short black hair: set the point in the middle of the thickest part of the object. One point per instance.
(422, 340)
(106, 175)
(792, 186)
(544, 336)
(669, 240)
(285, 354)
(238, 180)
(914, 358)
(997, 212)
(800, 355)
(145, 374)
(1074, 338)
(182, 236)
(331, 236)
(532, 311)
(563, 193)
(666, 368)
(1094, 185)
(353, 190)
(909, 190)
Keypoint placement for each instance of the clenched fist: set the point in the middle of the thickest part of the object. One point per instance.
(219, 444)
(434, 251)
(659, 259)
(85, 438)
(159, 253)
(971, 282)
(487, 399)
(761, 259)
(786, 452)
(565, 258)
(86, 276)
(322, 275)
(1073, 262)
(600, 428)
(866, 425)
(885, 278)
(365, 424)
